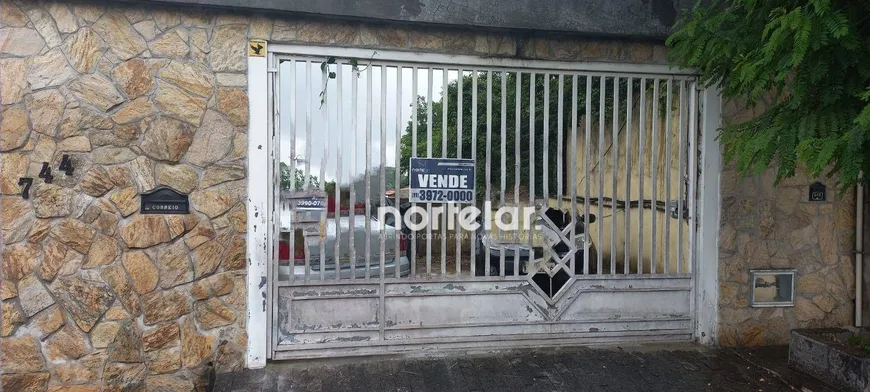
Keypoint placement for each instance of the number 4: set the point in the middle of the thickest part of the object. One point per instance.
(45, 173)
(66, 165)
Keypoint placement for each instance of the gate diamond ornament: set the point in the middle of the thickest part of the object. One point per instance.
(558, 252)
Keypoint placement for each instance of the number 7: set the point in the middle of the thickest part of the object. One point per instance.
(27, 182)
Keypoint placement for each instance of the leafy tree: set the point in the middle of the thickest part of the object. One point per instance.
(809, 58)
(359, 182)
(287, 178)
(511, 134)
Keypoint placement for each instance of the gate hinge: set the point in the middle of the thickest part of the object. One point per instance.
(273, 70)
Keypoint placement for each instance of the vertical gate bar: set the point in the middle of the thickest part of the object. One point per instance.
(383, 169)
(444, 105)
(368, 175)
(560, 125)
(336, 258)
(414, 100)
(459, 76)
(383, 192)
(272, 260)
(530, 224)
(545, 162)
(276, 206)
(668, 152)
(655, 184)
(517, 168)
(572, 173)
(323, 160)
(429, 155)
(629, 107)
(586, 147)
(382, 316)
(307, 175)
(693, 172)
(601, 113)
(680, 147)
(615, 152)
(273, 124)
(640, 148)
(397, 255)
(546, 147)
(354, 92)
(560, 141)
(308, 103)
(474, 158)
(487, 195)
(503, 139)
(292, 116)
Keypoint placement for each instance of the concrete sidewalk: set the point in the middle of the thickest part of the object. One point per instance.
(680, 367)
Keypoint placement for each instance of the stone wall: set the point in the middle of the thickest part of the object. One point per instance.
(93, 292)
(767, 227)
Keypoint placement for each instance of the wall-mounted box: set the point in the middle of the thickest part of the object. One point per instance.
(772, 288)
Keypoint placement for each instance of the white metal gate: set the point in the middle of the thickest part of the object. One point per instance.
(606, 154)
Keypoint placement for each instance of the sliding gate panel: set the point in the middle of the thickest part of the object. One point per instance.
(581, 228)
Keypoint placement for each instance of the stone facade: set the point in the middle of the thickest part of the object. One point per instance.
(96, 295)
(767, 227)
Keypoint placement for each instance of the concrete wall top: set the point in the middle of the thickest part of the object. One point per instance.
(645, 19)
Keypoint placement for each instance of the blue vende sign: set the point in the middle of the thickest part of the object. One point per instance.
(442, 180)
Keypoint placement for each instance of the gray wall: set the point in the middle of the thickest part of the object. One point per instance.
(650, 19)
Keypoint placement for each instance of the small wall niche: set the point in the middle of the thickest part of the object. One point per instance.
(771, 288)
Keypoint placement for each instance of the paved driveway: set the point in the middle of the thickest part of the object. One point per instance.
(643, 368)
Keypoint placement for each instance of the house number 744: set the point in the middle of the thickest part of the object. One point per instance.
(45, 173)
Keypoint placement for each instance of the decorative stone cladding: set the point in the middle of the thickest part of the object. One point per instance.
(767, 227)
(97, 296)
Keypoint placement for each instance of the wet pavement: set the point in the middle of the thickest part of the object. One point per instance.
(680, 367)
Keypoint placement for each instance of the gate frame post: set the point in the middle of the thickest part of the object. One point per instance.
(709, 198)
(257, 326)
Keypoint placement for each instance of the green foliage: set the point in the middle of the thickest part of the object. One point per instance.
(859, 341)
(288, 178)
(806, 61)
(516, 137)
(297, 177)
